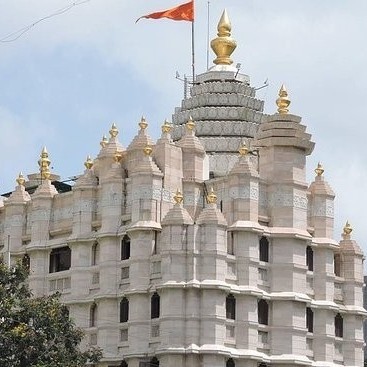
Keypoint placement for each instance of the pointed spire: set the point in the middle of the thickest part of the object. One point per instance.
(104, 141)
(166, 127)
(20, 179)
(211, 197)
(178, 198)
(283, 101)
(224, 45)
(113, 131)
(347, 230)
(319, 170)
(190, 124)
(148, 150)
(88, 162)
(243, 150)
(143, 123)
(44, 164)
(118, 156)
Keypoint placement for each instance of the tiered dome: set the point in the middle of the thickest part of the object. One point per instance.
(223, 105)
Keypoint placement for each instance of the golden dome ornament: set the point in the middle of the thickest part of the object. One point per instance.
(143, 123)
(283, 101)
(148, 150)
(211, 197)
(113, 131)
(166, 127)
(104, 141)
(88, 164)
(178, 198)
(20, 179)
(319, 170)
(190, 124)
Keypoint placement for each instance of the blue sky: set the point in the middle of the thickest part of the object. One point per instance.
(64, 82)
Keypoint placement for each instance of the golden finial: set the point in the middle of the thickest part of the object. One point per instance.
(319, 170)
(243, 150)
(114, 131)
(166, 127)
(224, 44)
(211, 197)
(143, 123)
(283, 101)
(347, 230)
(148, 150)
(44, 164)
(118, 156)
(190, 124)
(178, 197)
(20, 179)
(88, 162)
(104, 141)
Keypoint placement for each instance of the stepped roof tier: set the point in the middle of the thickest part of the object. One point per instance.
(223, 105)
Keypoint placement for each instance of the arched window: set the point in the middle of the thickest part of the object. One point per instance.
(309, 319)
(230, 363)
(263, 312)
(95, 254)
(154, 306)
(125, 248)
(264, 249)
(338, 326)
(309, 258)
(93, 315)
(124, 310)
(26, 261)
(231, 307)
(154, 362)
(337, 265)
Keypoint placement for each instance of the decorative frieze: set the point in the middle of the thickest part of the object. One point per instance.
(223, 87)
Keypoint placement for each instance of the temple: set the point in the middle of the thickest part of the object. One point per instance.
(206, 248)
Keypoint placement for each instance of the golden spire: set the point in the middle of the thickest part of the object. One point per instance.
(347, 230)
(44, 164)
(88, 162)
(211, 197)
(114, 131)
(178, 198)
(243, 150)
(104, 141)
(190, 124)
(143, 123)
(224, 44)
(166, 127)
(118, 156)
(148, 150)
(20, 179)
(283, 101)
(319, 170)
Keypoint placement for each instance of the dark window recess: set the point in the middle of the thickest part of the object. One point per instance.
(95, 253)
(60, 259)
(154, 306)
(154, 362)
(309, 319)
(124, 310)
(155, 243)
(264, 249)
(230, 307)
(263, 312)
(93, 315)
(26, 261)
(309, 258)
(125, 248)
(337, 265)
(123, 364)
(230, 243)
(230, 363)
(338, 326)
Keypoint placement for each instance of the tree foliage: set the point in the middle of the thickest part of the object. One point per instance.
(36, 332)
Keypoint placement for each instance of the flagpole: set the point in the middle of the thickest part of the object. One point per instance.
(193, 49)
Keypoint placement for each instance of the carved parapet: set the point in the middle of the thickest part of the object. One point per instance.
(218, 113)
(222, 87)
(223, 99)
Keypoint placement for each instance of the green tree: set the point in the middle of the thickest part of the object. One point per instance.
(36, 332)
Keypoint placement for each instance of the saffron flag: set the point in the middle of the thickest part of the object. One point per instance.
(180, 12)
